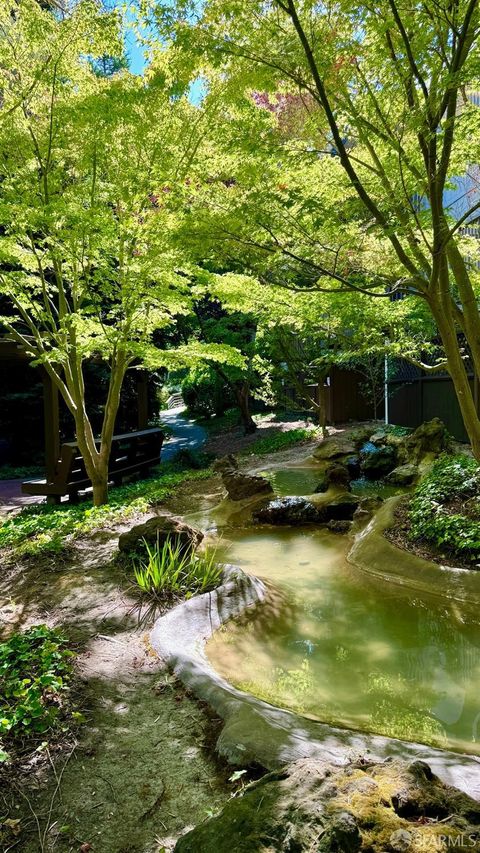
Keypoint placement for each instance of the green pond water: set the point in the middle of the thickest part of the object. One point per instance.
(304, 481)
(350, 649)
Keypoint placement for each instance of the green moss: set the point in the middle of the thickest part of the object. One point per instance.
(41, 529)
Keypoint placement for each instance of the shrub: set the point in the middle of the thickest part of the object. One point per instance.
(223, 423)
(35, 669)
(172, 571)
(195, 459)
(20, 472)
(445, 508)
(205, 393)
(281, 440)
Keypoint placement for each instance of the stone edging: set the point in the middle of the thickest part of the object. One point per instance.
(256, 732)
(374, 554)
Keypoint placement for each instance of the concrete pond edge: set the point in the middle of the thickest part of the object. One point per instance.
(255, 732)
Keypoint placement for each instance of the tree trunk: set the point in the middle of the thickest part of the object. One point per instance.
(96, 458)
(242, 392)
(456, 367)
(100, 490)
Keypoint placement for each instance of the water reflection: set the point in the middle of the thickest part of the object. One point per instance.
(352, 649)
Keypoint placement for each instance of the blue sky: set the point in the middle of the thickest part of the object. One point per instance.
(136, 57)
(135, 50)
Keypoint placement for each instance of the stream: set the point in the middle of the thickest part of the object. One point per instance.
(349, 649)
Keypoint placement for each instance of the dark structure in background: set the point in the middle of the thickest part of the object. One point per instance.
(345, 398)
(415, 397)
(34, 422)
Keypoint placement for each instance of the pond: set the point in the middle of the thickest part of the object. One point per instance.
(304, 481)
(348, 648)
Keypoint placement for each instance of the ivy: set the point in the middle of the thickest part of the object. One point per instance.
(35, 670)
(453, 483)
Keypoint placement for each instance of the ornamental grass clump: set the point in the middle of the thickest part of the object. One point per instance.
(445, 508)
(172, 571)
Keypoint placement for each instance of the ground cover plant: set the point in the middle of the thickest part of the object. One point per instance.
(42, 529)
(35, 673)
(280, 441)
(445, 508)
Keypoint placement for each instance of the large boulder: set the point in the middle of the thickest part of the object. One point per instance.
(429, 438)
(290, 510)
(161, 528)
(377, 462)
(336, 474)
(341, 508)
(334, 448)
(241, 486)
(313, 807)
(225, 464)
(403, 475)
(300, 510)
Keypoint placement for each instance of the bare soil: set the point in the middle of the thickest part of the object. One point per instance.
(233, 440)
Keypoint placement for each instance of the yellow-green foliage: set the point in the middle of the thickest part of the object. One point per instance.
(42, 529)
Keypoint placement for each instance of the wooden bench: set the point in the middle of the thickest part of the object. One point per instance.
(133, 452)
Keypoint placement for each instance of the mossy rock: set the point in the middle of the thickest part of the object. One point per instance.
(334, 448)
(160, 529)
(312, 806)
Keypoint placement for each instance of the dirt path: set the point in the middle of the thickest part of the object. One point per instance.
(142, 771)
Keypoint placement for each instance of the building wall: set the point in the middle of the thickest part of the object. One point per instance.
(411, 401)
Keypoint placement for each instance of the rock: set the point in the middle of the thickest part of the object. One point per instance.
(360, 435)
(335, 474)
(367, 508)
(342, 508)
(353, 466)
(339, 526)
(161, 528)
(419, 791)
(332, 448)
(225, 463)
(322, 485)
(430, 437)
(378, 438)
(400, 840)
(241, 486)
(378, 462)
(342, 836)
(282, 812)
(311, 806)
(290, 510)
(338, 475)
(403, 475)
(299, 510)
